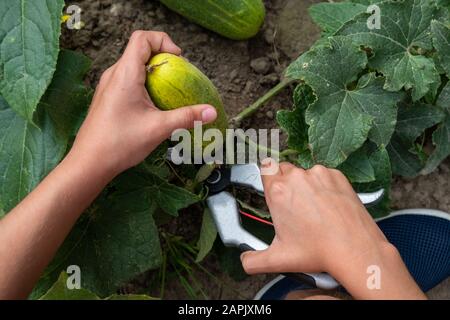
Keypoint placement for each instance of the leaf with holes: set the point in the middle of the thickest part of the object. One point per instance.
(331, 16)
(347, 111)
(412, 122)
(405, 31)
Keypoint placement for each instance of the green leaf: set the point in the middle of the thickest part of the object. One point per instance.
(331, 16)
(305, 160)
(256, 211)
(168, 197)
(204, 172)
(113, 241)
(441, 137)
(343, 117)
(67, 98)
(156, 162)
(208, 234)
(405, 28)
(411, 123)
(28, 152)
(60, 291)
(358, 168)
(29, 46)
(441, 41)
(293, 122)
(444, 3)
(380, 162)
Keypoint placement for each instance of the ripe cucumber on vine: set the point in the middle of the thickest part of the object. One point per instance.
(234, 19)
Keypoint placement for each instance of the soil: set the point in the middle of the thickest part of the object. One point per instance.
(242, 71)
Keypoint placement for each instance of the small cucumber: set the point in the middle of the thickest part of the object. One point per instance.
(173, 82)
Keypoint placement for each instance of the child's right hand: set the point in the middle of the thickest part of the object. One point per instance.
(322, 226)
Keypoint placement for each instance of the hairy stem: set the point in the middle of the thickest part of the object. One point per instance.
(236, 121)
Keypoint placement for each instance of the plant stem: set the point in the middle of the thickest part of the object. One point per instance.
(260, 102)
(250, 142)
(288, 152)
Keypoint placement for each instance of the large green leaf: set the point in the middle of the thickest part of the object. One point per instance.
(411, 123)
(29, 152)
(112, 242)
(331, 16)
(60, 291)
(405, 29)
(29, 46)
(441, 41)
(345, 114)
(441, 137)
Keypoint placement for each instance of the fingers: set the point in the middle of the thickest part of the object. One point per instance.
(140, 48)
(184, 118)
(278, 174)
(255, 262)
(143, 44)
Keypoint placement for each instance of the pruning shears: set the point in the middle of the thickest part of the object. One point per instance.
(225, 212)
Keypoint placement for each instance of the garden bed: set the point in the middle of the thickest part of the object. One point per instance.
(242, 71)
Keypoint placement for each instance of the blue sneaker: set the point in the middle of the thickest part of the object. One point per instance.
(422, 237)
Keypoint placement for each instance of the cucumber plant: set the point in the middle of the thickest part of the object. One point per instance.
(366, 102)
(368, 99)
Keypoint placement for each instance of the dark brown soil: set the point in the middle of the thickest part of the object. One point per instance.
(242, 71)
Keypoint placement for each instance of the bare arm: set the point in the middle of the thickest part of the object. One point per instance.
(122, 128)
(321, 226)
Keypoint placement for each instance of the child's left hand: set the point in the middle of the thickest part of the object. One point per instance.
(123, 125)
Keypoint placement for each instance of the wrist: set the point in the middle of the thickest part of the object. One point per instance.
(90, 166)
(377, 273)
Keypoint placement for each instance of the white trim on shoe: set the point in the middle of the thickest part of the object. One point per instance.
(269, 285)
(418, 211)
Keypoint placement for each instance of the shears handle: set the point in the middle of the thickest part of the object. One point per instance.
(224, 210)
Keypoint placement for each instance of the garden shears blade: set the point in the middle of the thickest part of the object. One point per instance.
(225, 212)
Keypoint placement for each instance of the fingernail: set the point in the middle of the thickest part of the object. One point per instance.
(209, 114)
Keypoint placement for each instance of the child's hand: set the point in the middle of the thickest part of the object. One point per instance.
(322, 226)
(123, 126)
(317, 217)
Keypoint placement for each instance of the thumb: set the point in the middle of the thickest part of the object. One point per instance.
(255, 262)
(183, 118)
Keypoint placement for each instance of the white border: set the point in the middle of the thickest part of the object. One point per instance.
(424, 212)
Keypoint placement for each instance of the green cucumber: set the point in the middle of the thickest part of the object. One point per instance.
(173, 82)
(234, 19)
